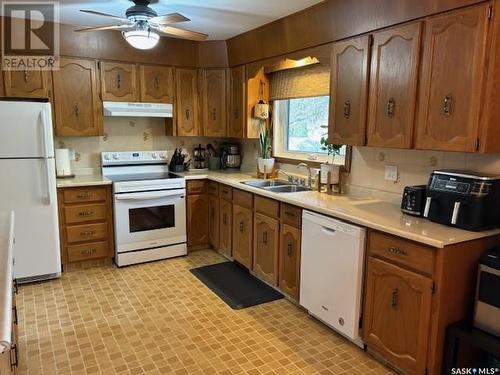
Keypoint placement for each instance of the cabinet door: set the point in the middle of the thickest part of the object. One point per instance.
(225, 232)
(77, 106)
(27, 83)
(289, 255)
(197, 220)
(266, 241)
(5, 363)
(393, 86)
(213, 221)
(236, 118)
(119, 82)
(187, 102)
(242, 235)
(349, 91)
(397, 314)
(214, 102)
(453, 68)
(157, 84)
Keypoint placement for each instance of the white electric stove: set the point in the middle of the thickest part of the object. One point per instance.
(149, 206)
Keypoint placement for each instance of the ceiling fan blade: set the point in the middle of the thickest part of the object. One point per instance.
(101, 28)
(169, 18)
(96, 13)
(181, 33)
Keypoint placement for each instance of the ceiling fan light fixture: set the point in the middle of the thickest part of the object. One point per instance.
(141, 39)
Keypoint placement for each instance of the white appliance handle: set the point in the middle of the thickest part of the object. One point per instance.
(44, 133)
(329, 231)
(454, 216)
(48, 198)
(427, 206)
(148, 195)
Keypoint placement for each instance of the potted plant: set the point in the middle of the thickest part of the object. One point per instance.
(265, 161)
(334, 169)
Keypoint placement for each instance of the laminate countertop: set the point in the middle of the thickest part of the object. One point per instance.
(83, 180)
(6, 277)
(365, 211)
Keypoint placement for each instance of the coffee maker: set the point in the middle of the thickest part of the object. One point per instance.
(230, 156)
(463, 199)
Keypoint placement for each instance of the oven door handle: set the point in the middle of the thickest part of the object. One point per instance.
(148, 196)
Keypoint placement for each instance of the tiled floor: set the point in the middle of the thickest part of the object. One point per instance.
(157, 318)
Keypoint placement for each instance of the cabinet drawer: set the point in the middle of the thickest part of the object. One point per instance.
(291, 215)
(84, 195)
(226, 192)
(89, 232)
(243, 198)
(267, 206)
(80, 214)
(196, 187)
(407, 253)
(86, 251)
(213, 188)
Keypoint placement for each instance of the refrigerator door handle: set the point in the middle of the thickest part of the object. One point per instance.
(42, 118)
(48, 199)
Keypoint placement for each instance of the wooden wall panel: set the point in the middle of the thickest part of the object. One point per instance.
(329, 21)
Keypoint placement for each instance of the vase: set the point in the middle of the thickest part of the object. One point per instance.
(333, 169)
(266, 165)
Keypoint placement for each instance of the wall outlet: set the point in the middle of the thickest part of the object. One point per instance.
(391, 173)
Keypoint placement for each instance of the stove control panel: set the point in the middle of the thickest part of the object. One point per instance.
(134, 157)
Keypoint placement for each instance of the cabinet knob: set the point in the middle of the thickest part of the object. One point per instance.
(347, 109)
(397, 251)
(394, 298)
(391, 106)
(447, 103)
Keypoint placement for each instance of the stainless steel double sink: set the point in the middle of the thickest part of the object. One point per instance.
(276, 186)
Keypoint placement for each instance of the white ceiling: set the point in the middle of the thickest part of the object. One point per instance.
(221, 19)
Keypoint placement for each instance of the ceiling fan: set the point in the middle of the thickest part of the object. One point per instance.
(141, 27)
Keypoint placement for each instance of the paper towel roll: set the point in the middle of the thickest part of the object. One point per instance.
(63, 163)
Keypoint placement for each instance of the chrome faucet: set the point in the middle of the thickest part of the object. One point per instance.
(309, 179)
(288, 176)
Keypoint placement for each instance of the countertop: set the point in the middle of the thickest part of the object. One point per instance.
(365, 211)
(83, 180)
(6, 277)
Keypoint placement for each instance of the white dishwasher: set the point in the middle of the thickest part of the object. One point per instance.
(331, 272)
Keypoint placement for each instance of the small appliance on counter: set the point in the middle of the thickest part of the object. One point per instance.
(177, 162)
(230, 156)
(63, 163)
(199, 158)
(413, 200)
(463, 199)
(487, 302)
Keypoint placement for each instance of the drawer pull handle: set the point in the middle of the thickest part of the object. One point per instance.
(287, 213)
(88, 233)
(85, 213)
(394, 298)
(447, 103)
(84, 195)
(88, 251)
(391, 106)
(397, 251)
(289, 249)
(347, 109)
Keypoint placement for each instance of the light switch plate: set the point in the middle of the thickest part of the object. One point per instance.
(391, 173)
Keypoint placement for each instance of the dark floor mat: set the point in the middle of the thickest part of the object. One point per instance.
(235, 285)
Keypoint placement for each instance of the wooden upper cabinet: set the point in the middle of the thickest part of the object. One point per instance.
(349, 91)
(214, 109)
(242, 235)
(236, 117)
(77, 106)
(397, 314)
(119, 82)
(27, 83)
(453, 69)
(157, 84)
(393, 86)
(186, 96)
(266, 248)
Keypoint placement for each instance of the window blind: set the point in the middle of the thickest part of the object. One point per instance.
(300, 82)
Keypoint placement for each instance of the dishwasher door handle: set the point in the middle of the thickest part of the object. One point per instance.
(328, 231)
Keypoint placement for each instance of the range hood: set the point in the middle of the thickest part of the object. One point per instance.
(125, 109)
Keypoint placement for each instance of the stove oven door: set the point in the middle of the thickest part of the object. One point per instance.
(146, 220)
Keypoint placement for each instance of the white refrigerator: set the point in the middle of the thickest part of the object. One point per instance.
(28, 187)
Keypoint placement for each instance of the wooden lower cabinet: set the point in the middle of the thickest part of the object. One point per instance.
(225, 227)
(213, 221)
(197, 223)
(289, 260)
(266, 248)
(242, 235)
(85, 223)
(398, 309)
